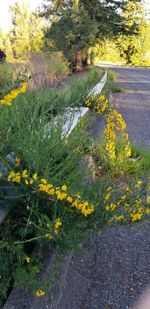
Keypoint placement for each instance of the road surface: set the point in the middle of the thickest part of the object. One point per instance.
(133, 105)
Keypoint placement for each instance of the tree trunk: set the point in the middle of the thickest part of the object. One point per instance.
(88, 56)
(78, 59)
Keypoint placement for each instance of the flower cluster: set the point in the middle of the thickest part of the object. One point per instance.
(115, 122)
(132, 205)
(16, 177)
(9, 97)
(55, 193)
(53, 230)
(98, 104)
(60, 193)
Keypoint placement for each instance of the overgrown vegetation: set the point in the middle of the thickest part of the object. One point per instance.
(48, 190)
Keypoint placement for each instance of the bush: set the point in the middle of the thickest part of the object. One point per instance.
(47, 69)
(6, 78)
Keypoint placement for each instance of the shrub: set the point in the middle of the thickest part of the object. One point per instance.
(47, 69)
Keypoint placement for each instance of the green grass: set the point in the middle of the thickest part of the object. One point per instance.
(22, 127)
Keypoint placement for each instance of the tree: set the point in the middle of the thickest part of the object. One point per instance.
(5, 45)
(27, 31)
(130, 44)
(79, 24)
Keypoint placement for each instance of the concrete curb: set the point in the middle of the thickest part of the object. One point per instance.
(72, 116)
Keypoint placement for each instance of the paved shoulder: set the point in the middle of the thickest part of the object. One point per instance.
(135, 104)
(112, 272)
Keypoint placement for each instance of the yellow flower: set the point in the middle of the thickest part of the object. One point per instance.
(35, 176)
(58, 223)
(126, 136)
(111, 207)
(64, 188)
(107, 197)
(51, 191)
(148, 199)
(17, 161)
(61, 195)
(44, 181)
(49, 235)
(127, 151)
(9, 97)
(39, 293)
(136, 216)
(26, 182)
(14, 177)
(138, 184)
(69, 199)
(25, 174)
(119, 218)
(147, 210)
(28, 259)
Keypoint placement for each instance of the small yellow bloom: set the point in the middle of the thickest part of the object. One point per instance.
(44, 181)
(35, 176)
(17, 161)
(28, 259)
(39, 293)
(136, 216)
(138, 184)
(107, 197)
(14, 177)
(25, 174)
(69, 199)
(147, 211)
(64, 188)
(58, 223)
(148, 199)
(61, 195)
(26, 182)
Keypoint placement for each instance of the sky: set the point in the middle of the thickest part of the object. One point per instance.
(5, 20)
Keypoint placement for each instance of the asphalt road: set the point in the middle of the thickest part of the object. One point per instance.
(133, 105)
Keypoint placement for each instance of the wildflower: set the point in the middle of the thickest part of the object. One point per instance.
(26, 182)
(107, 197)
(25, 174)
(49, 235)
(136, 216)
(119, 218)
(64, 188)
(126, 136)
(109, 189)
(147, 211)
(123, 197)
(148, 199)
(69, 199)
(111, 207)
(127, 151)
(138, 184)
(9, 97)
(58, 223)
(28, 259)
(39, 293)
(17, 161)
(35, 176)
(14, 177)
(61, 195)
(44, 181)
(87, 209)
